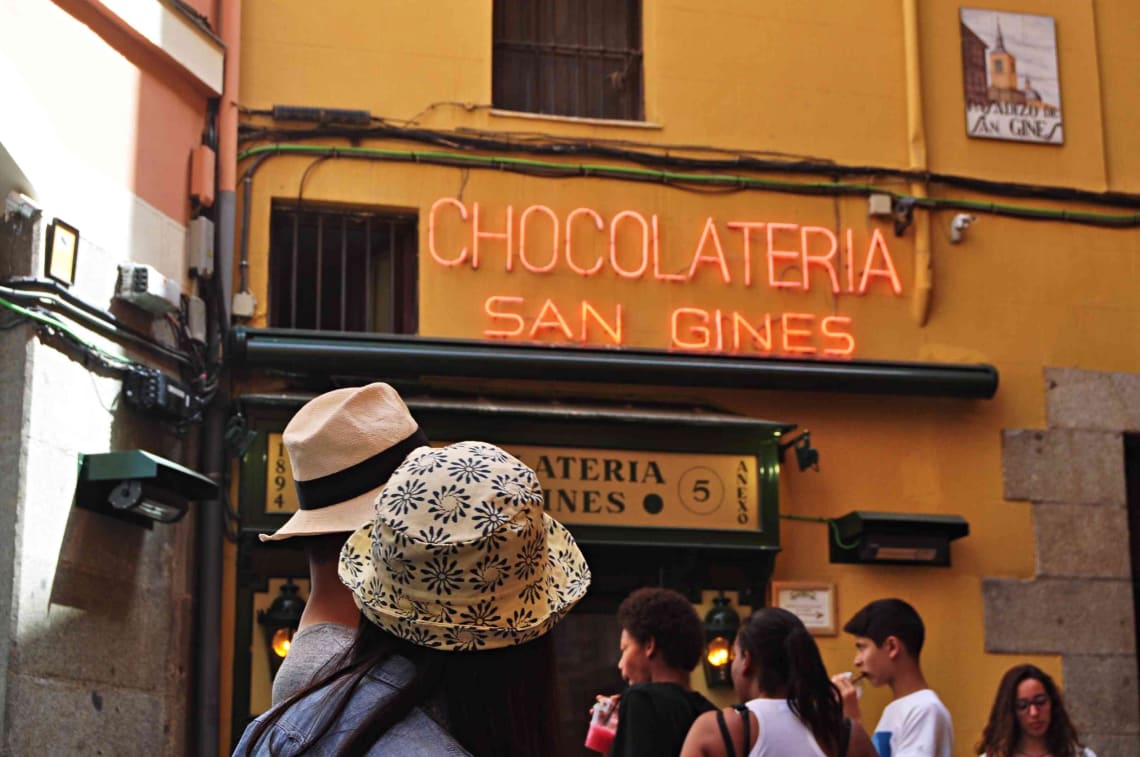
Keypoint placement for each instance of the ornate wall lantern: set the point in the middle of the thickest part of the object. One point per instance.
(721, 625)
(280, 622)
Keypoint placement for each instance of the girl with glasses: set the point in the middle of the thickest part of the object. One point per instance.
(1028, 719)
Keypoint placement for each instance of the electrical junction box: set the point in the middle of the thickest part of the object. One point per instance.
(200, 241)
(879, 205)
(144, 287)
(152, 391)
(244, 304)
(196, 318)
(202, 162)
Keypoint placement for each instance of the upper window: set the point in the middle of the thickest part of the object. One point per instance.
(334, 269)
(569, 58)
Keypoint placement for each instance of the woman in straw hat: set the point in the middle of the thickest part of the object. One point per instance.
(459, 577)
(343, 446)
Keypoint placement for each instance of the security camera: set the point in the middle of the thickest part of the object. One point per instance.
(903, 211)
(958, 226)
(19, 204)
(139, 487)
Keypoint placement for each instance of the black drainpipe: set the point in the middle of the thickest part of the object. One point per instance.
(211, 518)
(205, 737)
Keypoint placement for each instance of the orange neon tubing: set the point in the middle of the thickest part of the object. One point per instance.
(553, 242)
(569, 237)
(431, 231)
(644, 244)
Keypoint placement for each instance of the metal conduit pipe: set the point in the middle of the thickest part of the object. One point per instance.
(246, 205)
(394, 356)
(33, 283)
(916, 150)
(35, 292)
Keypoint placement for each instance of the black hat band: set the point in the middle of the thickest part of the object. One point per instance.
(360, 478)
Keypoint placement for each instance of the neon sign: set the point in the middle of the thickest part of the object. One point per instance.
(628, 246)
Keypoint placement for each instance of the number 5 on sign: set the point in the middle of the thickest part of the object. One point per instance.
(701, 490)
(280, 496)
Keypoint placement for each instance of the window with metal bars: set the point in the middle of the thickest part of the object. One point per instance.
(334, 269)
(568, 58)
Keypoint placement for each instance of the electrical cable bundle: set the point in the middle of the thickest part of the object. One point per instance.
(663, 156)
(58, 314)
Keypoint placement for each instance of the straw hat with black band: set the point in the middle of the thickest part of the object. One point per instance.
(343, 446)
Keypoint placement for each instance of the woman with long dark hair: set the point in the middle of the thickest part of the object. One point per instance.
(1028, 719)
(459, 578)
(791, 706)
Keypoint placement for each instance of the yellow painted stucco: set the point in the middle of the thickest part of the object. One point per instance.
(820, 79)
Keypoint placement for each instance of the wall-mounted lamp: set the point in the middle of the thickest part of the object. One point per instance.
(807, 456)
(895, 538)
(280, 623)
(721, 625)
(139, 487)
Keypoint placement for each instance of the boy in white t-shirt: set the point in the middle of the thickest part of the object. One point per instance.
(888, 639)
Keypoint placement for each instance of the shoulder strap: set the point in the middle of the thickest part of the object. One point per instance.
(743, 710)
(844, 737)
(729, 749)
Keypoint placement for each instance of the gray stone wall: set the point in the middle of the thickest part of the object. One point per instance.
(95, 613)
(1080, 603)
(17, 241)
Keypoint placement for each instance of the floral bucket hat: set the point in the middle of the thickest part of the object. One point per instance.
(461, 555)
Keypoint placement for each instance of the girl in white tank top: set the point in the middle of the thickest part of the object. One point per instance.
(777, 669)
(781, 733)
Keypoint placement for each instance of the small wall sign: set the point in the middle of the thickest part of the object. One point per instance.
(1009, 71)
(813, 602)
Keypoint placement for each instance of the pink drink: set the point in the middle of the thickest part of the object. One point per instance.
(599, 737)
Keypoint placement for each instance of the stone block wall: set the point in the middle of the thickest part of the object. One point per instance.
(17, 240)
(1080, 603)
(95, 614)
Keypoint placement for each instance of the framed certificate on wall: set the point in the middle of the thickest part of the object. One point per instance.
(813, 602)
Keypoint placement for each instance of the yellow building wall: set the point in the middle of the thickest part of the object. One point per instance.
(821, 79)
(1115, 25)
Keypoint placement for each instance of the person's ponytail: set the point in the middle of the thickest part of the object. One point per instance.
(811, 695)
(787, 663)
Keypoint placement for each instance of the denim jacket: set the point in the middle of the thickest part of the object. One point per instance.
(417, 735)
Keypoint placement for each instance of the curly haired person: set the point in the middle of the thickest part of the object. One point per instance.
(662, 639)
